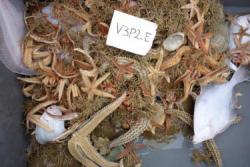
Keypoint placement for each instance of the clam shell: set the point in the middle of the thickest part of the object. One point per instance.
(174, 41)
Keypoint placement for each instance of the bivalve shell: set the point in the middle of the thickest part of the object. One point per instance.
(174, 41)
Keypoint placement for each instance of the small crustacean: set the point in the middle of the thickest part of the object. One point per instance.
(214, 151)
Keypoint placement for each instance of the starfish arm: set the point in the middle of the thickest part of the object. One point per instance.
(90, 59)
(188, 6)
(36, 120)
(92, 154)
(100, 80)
(85, 153)
(84, 89)
(91, 95)
(103, 94)
(160, 60)
(99, 116)
(85, 79)
(153, 87)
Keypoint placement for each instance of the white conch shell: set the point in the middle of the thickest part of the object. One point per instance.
(43, 136)
(174, 41)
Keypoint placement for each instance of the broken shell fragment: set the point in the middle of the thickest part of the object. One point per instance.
(174, 41)
(43, 136)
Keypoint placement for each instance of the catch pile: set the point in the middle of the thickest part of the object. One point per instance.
(108, 97)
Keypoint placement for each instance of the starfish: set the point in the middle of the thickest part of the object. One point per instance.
(170, 62)
(80, 145)
(155, 73)
(91, 87)
(242, 54)
(192, 6)
(242, 32)
(123, 69)
(213, 76)
(199, 39)
(189, 79)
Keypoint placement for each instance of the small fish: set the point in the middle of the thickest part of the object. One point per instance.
(213, 107)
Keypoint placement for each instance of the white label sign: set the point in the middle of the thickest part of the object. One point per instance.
(131, 33)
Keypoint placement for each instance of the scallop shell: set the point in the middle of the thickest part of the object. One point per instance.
(174, 41)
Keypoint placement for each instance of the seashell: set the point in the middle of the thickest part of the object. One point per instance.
(174, 41)
(220, 39)
(43, 136)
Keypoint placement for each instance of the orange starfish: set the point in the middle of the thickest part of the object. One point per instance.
(199, 39)
(91, 86)
(123, 69)
(189, 79)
